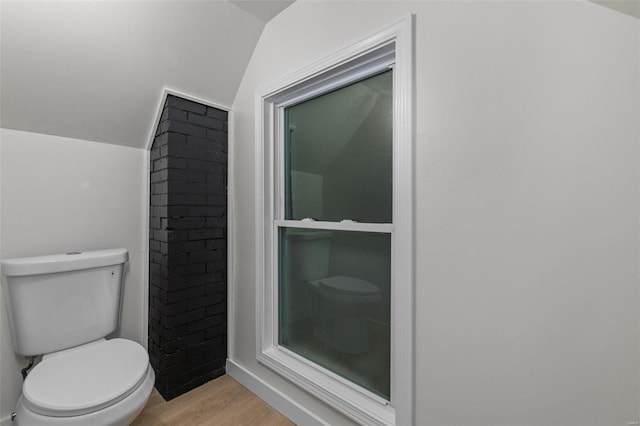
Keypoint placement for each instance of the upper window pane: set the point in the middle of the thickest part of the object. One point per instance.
(338, 154)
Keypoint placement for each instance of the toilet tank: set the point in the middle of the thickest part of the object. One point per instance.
(308, 253)
(60, 301)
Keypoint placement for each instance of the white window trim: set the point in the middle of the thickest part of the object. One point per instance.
(350, 399)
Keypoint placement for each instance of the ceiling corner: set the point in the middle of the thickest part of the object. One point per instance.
(264, 10)
(628, 7)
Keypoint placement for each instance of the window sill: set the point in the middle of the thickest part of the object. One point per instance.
(355, 402)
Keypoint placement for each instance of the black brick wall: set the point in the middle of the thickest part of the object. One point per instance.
(187, 247)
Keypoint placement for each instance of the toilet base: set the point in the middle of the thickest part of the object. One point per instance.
(121, 413)
(344, 334)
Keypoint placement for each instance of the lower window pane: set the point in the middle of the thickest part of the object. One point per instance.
(335, 302)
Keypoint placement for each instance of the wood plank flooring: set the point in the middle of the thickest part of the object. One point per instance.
(222, 401)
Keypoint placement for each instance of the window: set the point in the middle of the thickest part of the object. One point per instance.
(334, 221)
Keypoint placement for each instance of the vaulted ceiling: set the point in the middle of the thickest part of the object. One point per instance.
(628, 7)
(96, 70)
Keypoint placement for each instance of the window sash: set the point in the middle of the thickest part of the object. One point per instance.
(384, 406)
(345, 225)
(279, 221)
(380, 63)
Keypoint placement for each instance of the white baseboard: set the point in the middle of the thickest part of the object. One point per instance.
(282, 403)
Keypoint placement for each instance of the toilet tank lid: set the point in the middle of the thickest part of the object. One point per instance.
(64, 262)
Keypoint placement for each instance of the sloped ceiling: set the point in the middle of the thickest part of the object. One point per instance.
(628, 7)
(95, 70)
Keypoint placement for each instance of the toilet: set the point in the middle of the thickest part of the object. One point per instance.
(62, 307)
(341, 302)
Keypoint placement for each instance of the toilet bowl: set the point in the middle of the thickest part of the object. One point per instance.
(106, 382)
(344, 303)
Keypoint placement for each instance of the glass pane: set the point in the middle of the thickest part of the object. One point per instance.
(335, 302)
(338, 154)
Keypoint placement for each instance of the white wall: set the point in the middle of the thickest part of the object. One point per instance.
(60, 195)
(527, 149)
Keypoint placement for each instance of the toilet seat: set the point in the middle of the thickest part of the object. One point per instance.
(345, 290)
(85, 379)
(349, 285)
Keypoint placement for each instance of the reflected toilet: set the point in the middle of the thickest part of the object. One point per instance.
(340, 303)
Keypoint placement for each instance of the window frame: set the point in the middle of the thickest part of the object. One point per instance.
(390, 47)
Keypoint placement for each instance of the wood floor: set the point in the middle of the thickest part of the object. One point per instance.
(222, 401)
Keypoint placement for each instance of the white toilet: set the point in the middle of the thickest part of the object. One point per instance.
(343, 300)
(62, 307)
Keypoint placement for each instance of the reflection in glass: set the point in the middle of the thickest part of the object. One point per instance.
(335, 302)
(338, 155)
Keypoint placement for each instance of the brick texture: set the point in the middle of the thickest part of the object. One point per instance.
(187, 247)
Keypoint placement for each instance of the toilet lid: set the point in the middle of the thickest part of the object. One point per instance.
(86, 379)
(351, 285)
